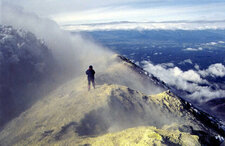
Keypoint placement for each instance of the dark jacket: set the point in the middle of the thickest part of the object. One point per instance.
(91, 74)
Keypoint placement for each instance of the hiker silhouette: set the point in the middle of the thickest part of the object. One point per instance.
(91, 77)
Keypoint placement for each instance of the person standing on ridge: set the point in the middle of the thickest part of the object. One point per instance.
(91, 77)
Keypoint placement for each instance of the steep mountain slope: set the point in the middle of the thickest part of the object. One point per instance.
(25, 65)
(71, 115)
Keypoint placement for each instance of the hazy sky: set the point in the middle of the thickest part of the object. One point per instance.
(100, 11)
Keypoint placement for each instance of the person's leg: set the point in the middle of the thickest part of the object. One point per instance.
(93, 83)
(89, 83)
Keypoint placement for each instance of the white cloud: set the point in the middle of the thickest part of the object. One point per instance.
(146, 26)
(197, 67)
(186, 61)
(129, 12)
(221, 42)
(214, 70)
(194, 49)
(174, 76)
(211, 43)
(191, 75)
(206, 93)
(58, 6)
(98, 11)
(167, 65)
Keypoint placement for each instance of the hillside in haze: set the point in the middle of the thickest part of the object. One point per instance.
(25, 66)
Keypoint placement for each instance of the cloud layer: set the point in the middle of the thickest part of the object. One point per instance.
(148, 26)
(191, 80)
(88, 11)
(214, 70)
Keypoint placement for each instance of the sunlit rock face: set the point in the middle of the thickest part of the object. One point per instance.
(24, 63)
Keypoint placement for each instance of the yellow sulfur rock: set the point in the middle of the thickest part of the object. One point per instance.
(143, 136)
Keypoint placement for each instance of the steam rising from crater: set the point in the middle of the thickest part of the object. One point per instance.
(72, 54)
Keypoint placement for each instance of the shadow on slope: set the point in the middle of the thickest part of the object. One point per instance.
(129, 110)
(123, 111)
(216, 106)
